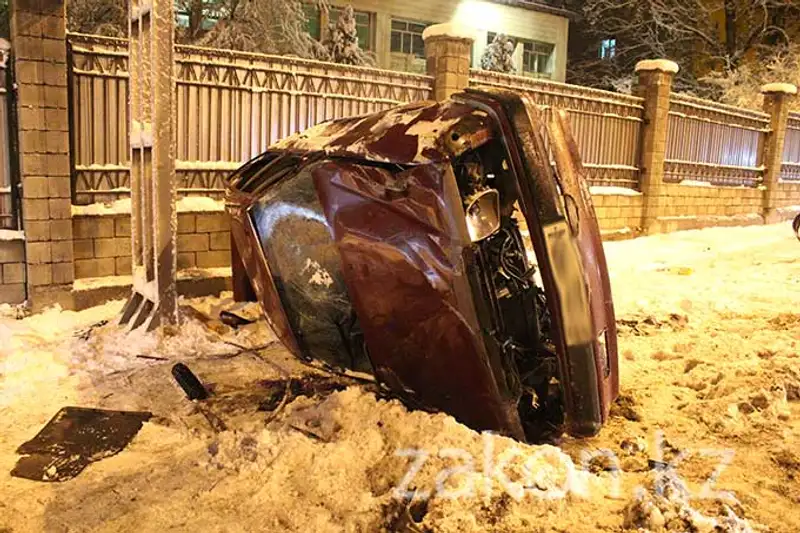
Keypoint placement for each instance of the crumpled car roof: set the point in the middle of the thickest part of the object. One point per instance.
(411, 134)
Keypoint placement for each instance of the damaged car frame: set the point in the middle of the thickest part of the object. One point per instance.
(449, 249)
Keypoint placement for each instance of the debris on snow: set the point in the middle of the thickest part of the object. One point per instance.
(665, 505)
(311, 462)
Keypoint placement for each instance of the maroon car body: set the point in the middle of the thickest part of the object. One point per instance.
(354, 236)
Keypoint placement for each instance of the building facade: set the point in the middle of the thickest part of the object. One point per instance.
(392, 30)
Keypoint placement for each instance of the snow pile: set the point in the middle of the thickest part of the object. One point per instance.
(11, 235)
(610, 190)
(695, 183)
(384, 455)
(450, 29)
(186, 204)
(664, 65)
(667, 506)
(708, 333)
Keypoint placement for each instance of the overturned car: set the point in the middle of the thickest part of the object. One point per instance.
(437, 247)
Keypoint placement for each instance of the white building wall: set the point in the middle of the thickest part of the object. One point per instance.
(482, 15)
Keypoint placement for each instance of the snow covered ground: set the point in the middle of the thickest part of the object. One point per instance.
(709, 326)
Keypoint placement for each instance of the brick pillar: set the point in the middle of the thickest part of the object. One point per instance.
(654, 85)
(38, 38)
(447, 52)
(777, 98)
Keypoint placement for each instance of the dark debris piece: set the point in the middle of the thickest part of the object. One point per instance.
(192, 386)
(305, 386)
(74, 438)
(233, 320)
(85, 334)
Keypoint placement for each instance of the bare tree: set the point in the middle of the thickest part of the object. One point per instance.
(98, 17)
(742, 86)
(701, 35)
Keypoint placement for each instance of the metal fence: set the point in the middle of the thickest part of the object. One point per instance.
(230, 107)
(714, 143)
(790, 170)
(606, 125)
(8, 212)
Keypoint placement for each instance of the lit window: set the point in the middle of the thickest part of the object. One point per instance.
(537, 59)
(182, 20)
(608, 48)
(407, 37)
(363, 26)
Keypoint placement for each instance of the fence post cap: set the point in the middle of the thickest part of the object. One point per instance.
(452, 30)
(786, 88)
(664, 65)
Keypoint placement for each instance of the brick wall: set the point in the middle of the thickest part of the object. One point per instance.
(681, 207)
(204, 240)
(102, 243)
(788, 194)
(12, 271)
(618, 211)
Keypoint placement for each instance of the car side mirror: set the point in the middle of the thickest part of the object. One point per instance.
(483, 215)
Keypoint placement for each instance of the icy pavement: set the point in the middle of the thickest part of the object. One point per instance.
(704, 438)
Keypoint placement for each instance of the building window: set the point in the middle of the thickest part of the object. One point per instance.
(407, 37)
(608, 48)
(209, 20)
(363, 26)
(318, 21)
(313, 20)
(537, 59)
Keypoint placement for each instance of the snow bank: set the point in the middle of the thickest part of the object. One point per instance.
(197, 204)
(207, 165)
(11, 235)
(610, 190)
(695, 183)
(186, 204)
(88, 284)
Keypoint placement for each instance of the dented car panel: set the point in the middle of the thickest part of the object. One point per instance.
(401, 247)
(355, 237)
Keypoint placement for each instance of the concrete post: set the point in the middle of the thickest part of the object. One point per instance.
(38, 36)
(154, 300)
(777, 98)
(447, 52)
(654, 85)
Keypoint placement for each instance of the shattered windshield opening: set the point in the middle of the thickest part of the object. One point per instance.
(307, 272)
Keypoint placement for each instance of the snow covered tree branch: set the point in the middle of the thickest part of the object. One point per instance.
(498, 56)
(702, 36)
(342, 45)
